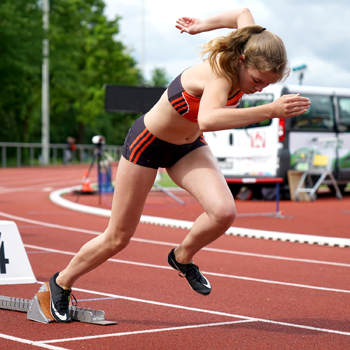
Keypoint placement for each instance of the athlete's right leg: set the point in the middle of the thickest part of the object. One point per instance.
(132, 185)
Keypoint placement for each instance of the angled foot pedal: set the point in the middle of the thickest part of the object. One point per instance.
(38, 309)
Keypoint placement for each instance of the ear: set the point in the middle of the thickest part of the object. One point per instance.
(241, 59)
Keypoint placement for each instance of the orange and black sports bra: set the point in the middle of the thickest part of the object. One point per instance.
(188, 105)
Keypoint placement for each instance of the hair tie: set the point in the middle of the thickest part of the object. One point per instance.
(262, 30)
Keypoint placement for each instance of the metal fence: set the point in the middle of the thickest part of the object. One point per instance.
(15, 154)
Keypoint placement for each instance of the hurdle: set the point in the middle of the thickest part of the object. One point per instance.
(253, 180)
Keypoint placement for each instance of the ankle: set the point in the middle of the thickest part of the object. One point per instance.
(179, 257)
(60, 282)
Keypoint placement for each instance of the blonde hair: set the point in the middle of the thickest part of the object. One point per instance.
(262, 49)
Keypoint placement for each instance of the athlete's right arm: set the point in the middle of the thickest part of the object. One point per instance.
(229, 19)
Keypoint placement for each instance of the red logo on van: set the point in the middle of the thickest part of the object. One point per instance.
(258, 140)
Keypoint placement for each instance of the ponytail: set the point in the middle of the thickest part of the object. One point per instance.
(262, 49)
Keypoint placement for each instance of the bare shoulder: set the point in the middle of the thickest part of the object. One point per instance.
(196, 77)
(216, 92)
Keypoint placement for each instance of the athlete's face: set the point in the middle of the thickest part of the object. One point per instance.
(251, 80)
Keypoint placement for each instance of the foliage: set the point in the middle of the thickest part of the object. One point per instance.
(20, 68)
(159, 78)
(84, 56)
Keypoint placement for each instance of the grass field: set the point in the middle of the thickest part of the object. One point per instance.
(166, 181)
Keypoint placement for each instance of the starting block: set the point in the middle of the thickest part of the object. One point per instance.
(38, 309)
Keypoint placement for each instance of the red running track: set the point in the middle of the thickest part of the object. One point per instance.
(266, 294)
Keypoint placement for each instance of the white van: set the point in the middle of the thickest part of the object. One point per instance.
(271, 148)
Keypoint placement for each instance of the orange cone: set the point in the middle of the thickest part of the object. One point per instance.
(86, 188)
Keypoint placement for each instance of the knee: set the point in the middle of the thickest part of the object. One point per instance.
(224, 213)
(115, 244)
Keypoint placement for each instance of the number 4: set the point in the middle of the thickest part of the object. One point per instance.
(3, 260)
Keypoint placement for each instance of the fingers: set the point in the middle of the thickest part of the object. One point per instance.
(182, 29)
(293, 112)
(295, 109)
(295, 101)
(182, 25)
(293, 105)
(297, 98)
(184, 21)
(186, 24)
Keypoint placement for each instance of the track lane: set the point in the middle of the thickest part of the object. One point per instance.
(289, 317)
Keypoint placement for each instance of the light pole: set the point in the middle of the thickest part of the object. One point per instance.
(300, 70)
(45, 96)
(142, 63)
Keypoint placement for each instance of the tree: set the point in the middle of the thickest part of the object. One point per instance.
(159, 78)
(20, 68)
(84, 57)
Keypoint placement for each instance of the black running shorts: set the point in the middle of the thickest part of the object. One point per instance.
(143, 148)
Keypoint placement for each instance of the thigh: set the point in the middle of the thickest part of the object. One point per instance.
(132, 185)
(198, 173)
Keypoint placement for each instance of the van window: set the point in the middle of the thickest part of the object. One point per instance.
(253, 101)
(320, 115)
(344, 114)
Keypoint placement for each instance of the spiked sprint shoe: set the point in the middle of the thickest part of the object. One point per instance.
(59, 301)
(192, 273)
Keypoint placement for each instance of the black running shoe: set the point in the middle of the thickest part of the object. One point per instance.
(192, 273)
(59, 301)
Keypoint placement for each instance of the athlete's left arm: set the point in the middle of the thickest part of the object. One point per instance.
(213, 114)
(229, 19)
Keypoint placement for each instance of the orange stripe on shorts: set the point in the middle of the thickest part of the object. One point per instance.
(143, 148)
(139, 143)
(137, 138)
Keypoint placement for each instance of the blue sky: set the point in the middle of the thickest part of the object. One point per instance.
(315, 33)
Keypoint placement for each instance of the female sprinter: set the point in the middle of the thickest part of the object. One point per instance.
(170, 136)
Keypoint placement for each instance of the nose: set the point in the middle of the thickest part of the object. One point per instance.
(260, 87)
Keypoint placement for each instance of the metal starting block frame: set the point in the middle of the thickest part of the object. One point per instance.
(38, 309)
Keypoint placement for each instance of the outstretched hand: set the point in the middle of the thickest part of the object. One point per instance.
(189, 25)
(288, 106)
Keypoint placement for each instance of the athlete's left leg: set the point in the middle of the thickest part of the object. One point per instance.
(198, 173)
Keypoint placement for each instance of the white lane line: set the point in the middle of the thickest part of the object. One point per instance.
(217, 313)
(234, 252)
(47, 189)
(156, 330)
(35, 181)
(47, 224)
(172, 244)
(56, 197)
(36, 186)
(30, 342)
(34, 178)
(334, 290)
